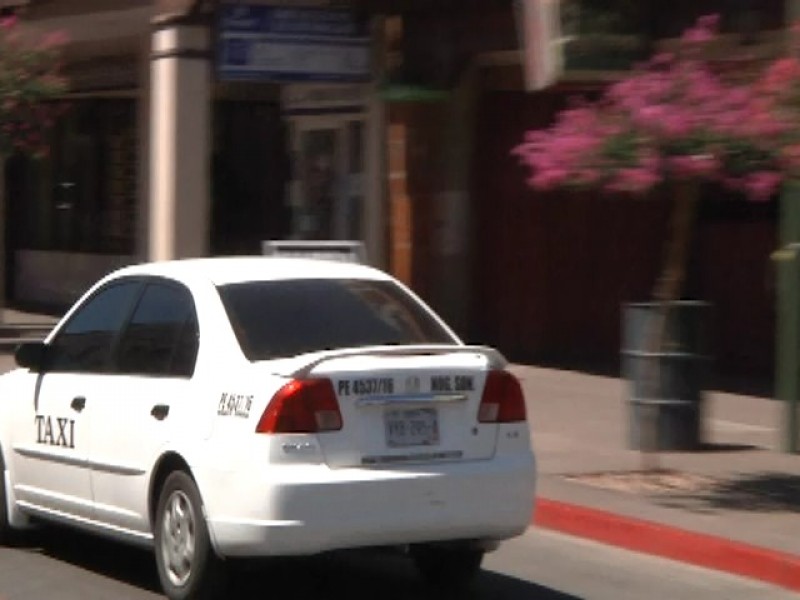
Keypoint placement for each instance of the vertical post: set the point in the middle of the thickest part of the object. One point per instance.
(787, 351)
(375, 209)
(179, 139)
(3, 257)
(400, 211)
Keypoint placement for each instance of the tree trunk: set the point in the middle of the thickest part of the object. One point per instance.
(667, 291)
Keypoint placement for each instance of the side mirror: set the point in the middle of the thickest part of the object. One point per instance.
(32, 355)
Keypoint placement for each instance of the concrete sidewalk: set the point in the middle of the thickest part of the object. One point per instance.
(732, 504)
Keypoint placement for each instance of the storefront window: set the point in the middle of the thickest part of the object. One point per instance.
(615, 35)
(83, 197)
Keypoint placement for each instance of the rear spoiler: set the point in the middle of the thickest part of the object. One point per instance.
(493, 357)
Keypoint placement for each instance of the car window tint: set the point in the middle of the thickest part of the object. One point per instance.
(161, 338)
(84, 344)
(283, 318)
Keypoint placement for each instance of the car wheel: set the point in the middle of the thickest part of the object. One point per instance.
(449, 567)
(187, 565)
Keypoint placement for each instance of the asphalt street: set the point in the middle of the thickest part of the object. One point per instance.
(60, 565)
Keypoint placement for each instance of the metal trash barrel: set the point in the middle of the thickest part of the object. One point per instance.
(676, 404)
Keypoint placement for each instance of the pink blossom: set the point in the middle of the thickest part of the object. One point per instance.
(697, 35)
(675, 117)
(546, 179)
(677, 124)
(760, 186)
(635, 180)
(780, 74)
(704, 30)
(650, 115)
(8, 22)
(662, 59)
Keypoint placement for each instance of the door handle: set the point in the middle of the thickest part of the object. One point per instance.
(78, 403)
(160, 411)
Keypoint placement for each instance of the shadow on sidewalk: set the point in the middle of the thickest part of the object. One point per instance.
(759, 492)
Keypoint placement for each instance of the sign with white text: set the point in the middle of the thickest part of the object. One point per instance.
(272, 43)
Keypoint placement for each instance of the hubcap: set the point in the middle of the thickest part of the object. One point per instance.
(178, 538)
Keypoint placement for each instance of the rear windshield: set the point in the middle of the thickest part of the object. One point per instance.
(274, 319)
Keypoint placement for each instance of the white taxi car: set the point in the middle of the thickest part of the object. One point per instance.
(232, 407)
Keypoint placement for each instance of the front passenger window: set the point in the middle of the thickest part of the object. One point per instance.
(84, 345)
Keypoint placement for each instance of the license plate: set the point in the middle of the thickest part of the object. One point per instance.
(411, 427)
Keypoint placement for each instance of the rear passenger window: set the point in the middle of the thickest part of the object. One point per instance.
(162, 336)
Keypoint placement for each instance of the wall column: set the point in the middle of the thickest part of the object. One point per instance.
(400, 211)
(180, 109)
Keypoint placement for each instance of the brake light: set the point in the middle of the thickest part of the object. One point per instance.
(502, 401)
(302, 406)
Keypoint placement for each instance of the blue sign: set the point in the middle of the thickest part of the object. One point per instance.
(271, 43)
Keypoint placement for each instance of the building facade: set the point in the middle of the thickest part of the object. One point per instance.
(174, 145)
(543, 276)
(177, 144)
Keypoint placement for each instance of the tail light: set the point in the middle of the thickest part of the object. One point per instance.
(302, 406)
(502, 401)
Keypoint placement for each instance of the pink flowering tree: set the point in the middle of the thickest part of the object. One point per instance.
(29, 82)
(675, 121)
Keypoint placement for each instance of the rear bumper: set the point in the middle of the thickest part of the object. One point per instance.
(311, 508)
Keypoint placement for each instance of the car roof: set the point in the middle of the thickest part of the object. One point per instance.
(228, 270)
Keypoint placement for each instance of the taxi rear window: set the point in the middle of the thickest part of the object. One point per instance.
(277, 319)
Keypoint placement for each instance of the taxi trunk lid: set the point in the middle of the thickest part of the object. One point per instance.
(408, 407)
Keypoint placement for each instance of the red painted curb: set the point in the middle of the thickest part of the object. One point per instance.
(699, 549)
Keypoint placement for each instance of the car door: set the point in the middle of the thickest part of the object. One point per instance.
(131, 425)
(51, 443)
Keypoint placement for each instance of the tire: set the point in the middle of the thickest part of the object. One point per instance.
(188, 568)
(447, 567)
(5, 528)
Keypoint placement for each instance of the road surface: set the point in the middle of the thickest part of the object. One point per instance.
(61, 565)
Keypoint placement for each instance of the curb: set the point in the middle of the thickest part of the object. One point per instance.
(699, 549)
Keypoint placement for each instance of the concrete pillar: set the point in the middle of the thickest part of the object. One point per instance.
(180, 122)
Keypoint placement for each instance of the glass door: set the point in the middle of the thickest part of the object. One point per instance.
(326, 193)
